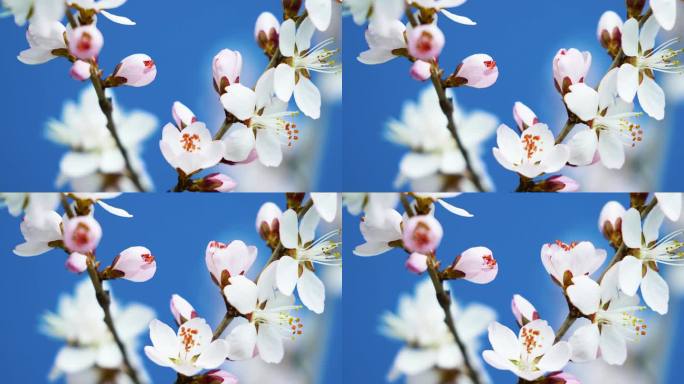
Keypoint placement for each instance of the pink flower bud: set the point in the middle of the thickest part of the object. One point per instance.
(609, 31)
(561, 184)
(268, 220)
(216, 376)
(610, 219)
(477, 265)
(477, 71)
(570, 66)
(135, 264)
(420, 70)
(182, 310)
(425, 42)
(227, 260)
(267, 30)
(82, 234)
(80, 70)
(217, 182)
(523, 310)
(77, 262)
(561, 378)
(416, 263)
(422, 234)
(227, 67)
(524, 116)
(182, 115)
(137, 70)
(85, 42)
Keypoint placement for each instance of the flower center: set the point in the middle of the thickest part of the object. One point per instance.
(489, 262)
(530, 339)
(147, 258)
(531, 146)
(424, 42)
(190, 143)
(566, 247)
(85, 42)
(80, 235)
(188, 338)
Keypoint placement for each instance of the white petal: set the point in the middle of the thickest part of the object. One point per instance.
(270, 344)
(117, 19)
(583, 147)
(371, 249)
(411, 361)
(555, 358)
(417, 165)
(648, 33)
(652, 225)
(214, 355)
(311, 291)
(241, 342)
(670, 204)
(326, 205)
(497, 361)
(612, 150)
(239, 100)
(109, 356)
(287, 274)
(268, 148)
(238, 143)
(163, 338)
(631, 228)
(457, 18)
(308, 97)
(284, 81)
(628, 82)
(630, 38)
(307, 227)
(583, 101)
(320, 13)
(73, 359)
(76, 164)
(585, 343)
(289, 229)
(454, 209)
(655, 291)
(665, 11)
(652, 98)
(504, 341)
(304, 34)
(287, 38)
(114, 210)
(241, 293)
(630, 275)
(612, 345)
(585, 294)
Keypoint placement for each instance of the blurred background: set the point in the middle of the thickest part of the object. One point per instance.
(182, 38)
(523, 37)
(514, 227)
(176, 229)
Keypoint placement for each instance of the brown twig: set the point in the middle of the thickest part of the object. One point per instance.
(104, 300)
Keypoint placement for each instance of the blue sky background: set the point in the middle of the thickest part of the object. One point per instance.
(182, 38)
(176, 229)
(514, 227)
(523, 37)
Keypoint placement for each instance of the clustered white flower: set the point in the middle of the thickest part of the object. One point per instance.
(258, 124)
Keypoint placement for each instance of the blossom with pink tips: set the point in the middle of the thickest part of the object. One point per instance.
(561, 378)
(425, 42)
(266, 30)
(77, 262)
(570, 66)
(226, 67)
(137, 70)
(523, 310)
(136, 264)
(609, 31)
(227, 260)
(85, 42)
(421, 70)
(181, 309)
(477, 265)
(268, 220)
(524, 116)
(218, 182)
(416, 263)
(82, 234)
(563, 261)
(182, 115)
(422, 234)
(478, 71)
(562, 183)
(80, 70)
(610, 218)
(217, 376)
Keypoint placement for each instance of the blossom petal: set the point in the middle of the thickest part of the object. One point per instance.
(612, 345)
(308, 97)
(326, 205)
(307, 228)
(652, 225)
(163, 338)
(652, 98)
(504, 341)
(214, 355)
(631, 228)
(583, 147)
(670, 204)
(241, 293)
(284, 81)
(238, 143)
(239, 100)
(457, 18)
(114, 210)
(630, 275)
(630, 38)
(267, 146)
(270, 344)
(117, 19)
(628, 82)
(585, 294)
(241, 342)
(665, 11)
(556, 357)
(289, 229)
(612, 150)
(583, 101)
(655, 291)
(287, 38)
(320, 13)
(585, 343)
(73, 359)
(311, 291)
(304, 34)
(287, 274)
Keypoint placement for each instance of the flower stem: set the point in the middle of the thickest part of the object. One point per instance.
(227, 319)
(569, 125)
(106, 107)
(444, 299)
(104, 300)
(448, 109)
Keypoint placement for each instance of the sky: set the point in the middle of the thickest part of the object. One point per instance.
(514, 227)
(182, 38)
(523, 37)
(176, 229)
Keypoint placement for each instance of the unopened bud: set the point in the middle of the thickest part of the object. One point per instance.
(420, 70)
(85, 42)
(82, 234)
(135, 264)
(476, 71)
(181, 309)
(227, 66)
(425, 42)
(267, 31)
(136, 70)
(77, 262)
(80, 70)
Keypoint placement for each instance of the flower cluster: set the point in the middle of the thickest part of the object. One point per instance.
(603, 118)
(607, 305)
(445, 153)
(266, 304)
(431, 323)
(98, 159)
(258, 124)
